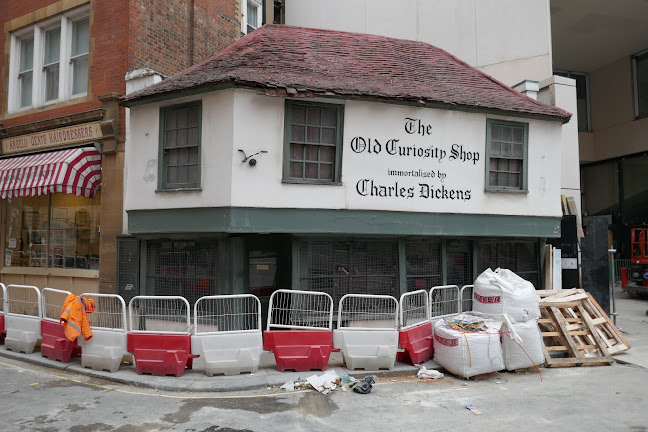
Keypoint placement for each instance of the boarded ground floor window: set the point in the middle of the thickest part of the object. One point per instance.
(182, 268)
(519, 257)
(350, 267)
(372, 266)
(56, 230)
(424, 264)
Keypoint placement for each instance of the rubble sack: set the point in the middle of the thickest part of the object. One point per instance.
(504, 292)
(467, 345)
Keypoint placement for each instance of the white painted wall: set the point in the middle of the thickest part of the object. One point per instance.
(510, 39)
(240, 119)
(561, 92)
(141, 159)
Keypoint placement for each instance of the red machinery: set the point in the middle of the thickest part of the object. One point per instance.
(634, 279)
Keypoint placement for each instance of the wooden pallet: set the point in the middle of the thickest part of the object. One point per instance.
(565, 331)
(574, 326)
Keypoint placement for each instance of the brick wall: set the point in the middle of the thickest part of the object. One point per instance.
(125, 35)
(168, 36)
(107, 63)
(165, 35)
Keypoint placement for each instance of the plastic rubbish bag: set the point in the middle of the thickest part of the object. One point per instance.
(429, 373)
(365, 386)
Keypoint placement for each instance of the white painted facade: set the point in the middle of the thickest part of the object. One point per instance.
(236, 119)
(509, 40)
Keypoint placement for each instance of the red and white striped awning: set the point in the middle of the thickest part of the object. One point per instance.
(72, 171)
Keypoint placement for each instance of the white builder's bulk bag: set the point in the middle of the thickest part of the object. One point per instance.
(466, 345)
(522, 345)
(503, 292)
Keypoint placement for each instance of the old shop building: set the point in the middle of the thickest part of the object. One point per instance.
(333, 161)
(62, 130)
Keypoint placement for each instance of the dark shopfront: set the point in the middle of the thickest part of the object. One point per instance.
(262, 263)
(617, 188)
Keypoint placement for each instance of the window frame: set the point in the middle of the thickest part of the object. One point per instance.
(74, 57)
(339, 133)
(641, 56)
(163, 184)
(523, 188)
(244, 21)
(38, 31)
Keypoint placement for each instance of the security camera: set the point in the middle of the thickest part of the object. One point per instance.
(252, 162)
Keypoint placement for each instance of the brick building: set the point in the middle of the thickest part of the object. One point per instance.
(62, 71)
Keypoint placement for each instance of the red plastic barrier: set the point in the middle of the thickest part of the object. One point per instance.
(161, 354)
(55, 345)
(3, 332)
(299, 350)
(417, 343)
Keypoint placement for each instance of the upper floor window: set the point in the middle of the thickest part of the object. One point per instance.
(49, 61)
(180, 127)
(252, 15)
(506, 149)
(313, 142)
(582, 98)
(640, 66)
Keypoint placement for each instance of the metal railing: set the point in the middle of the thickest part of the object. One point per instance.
(618, 265)
(466, 296)
(23, 300)
(368, 312)
(227, 314)
(414, 308)
(159, 314)
(444, 301)
(3, 298)
(53, 301)
(293, 309)
(109, 313)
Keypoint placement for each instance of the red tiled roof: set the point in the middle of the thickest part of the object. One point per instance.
(341, 64)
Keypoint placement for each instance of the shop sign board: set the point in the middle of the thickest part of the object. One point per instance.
(52, 138)
(416, 161)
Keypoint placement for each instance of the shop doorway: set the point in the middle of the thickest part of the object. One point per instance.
(269, 267)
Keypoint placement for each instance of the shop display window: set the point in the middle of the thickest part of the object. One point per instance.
(56, 231)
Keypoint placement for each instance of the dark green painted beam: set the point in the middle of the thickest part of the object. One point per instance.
(346, 222)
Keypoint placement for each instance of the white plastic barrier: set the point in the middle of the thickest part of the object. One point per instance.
(444, 301)
(503, 292)
(23, 318)
(107, 347)
(367, 333)
(227, 333)
(468, 353)
(528, 350)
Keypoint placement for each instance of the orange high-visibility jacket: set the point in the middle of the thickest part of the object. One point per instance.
(74, 318)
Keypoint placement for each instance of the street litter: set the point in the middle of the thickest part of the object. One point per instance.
(365, 386)
(473, 409)
(325, 383)
(429, 373)
(289, 386)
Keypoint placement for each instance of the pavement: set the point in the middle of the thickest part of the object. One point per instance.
(631, 319)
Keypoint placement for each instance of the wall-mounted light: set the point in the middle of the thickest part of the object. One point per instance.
(250, 159)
